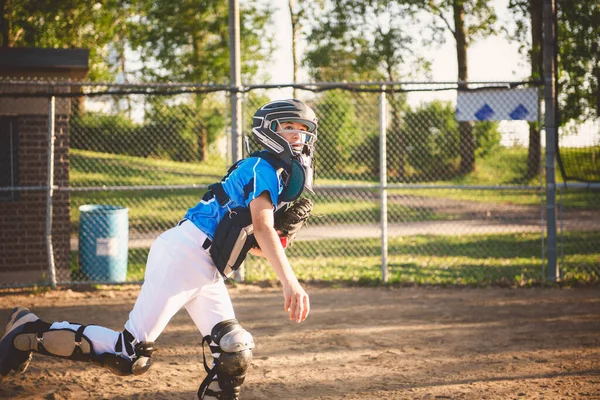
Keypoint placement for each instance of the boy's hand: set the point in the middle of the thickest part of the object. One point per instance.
(297, 303)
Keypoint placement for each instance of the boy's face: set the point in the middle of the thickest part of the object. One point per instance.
(294, 133)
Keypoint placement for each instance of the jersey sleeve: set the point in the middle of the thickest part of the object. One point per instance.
(263, 178)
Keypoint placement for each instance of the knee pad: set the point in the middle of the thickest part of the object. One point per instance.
(232, 346)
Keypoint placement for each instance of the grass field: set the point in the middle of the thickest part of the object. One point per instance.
(162, 208)
(473, 260)
(467, 260)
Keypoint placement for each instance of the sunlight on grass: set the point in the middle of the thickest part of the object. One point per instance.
(507, 259)
(90, 168)
(474, 260)
(471, 260)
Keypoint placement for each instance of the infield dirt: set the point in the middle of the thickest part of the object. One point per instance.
(358, 343)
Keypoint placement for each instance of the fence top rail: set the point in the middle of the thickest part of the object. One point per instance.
(264, 85)
(561, 186)
(47, 89)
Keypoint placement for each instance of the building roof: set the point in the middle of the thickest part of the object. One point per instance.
(37, 59)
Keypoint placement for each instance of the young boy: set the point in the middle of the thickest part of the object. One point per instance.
(185, 268)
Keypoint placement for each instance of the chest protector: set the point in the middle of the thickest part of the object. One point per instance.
(234, 235)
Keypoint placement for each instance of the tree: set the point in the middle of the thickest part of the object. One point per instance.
(529, 13)
(188, 41)
(68, 24)
(299, 17)
(578, 67)
(360, 41)
(471, 19)
(578, 60)
(432, 142)
(365, 41)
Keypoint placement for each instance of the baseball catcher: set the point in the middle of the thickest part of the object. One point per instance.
(255, 207)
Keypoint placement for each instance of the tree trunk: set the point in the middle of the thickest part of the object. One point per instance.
(202, 142)
(465, 128)
(295, 27)
(534, 152)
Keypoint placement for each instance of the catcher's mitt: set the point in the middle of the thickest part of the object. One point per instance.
(290, 219)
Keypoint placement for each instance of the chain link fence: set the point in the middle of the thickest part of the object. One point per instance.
(452, 202)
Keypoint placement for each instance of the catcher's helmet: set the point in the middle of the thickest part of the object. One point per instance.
(268, 117)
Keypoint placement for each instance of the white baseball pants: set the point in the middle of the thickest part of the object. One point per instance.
(179, 273)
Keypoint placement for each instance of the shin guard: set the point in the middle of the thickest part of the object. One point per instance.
(231, 346)
(130, 357)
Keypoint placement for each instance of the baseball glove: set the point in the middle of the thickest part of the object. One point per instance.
(290, 219)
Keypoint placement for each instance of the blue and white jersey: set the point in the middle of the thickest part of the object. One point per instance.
(248, 180)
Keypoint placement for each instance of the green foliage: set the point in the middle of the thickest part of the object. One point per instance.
(359, 41)
(170, 131)
(425, 144)
(578, 60)
(189, 40)
(578, 54)
(108, 134)
(431, 135)
(583, 162)
(339, 136)
(98, 26)
(185, 41)
(479, 16)
(177, 130)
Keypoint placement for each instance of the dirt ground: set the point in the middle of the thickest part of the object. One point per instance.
(358, 343)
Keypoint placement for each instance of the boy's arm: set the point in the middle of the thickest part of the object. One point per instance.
(297, 302)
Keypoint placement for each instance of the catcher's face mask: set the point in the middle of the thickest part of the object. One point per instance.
(300, 134)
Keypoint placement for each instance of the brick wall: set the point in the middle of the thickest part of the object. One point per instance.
(23, 250)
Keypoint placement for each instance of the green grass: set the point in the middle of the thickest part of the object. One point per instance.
(585, 161)
(158, 210)
(472, 260)
(90, 168)
(574, 199)
(440, 260)
(507, 166)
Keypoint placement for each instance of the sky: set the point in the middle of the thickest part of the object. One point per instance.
(492, 59)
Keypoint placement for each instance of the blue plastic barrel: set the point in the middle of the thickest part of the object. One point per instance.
(103, 242)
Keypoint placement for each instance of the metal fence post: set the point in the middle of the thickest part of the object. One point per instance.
(50, 191)
(383, 182)
(234, 65)
(550, 125)
(236, 111)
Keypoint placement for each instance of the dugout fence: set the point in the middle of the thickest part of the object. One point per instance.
(405, 193)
